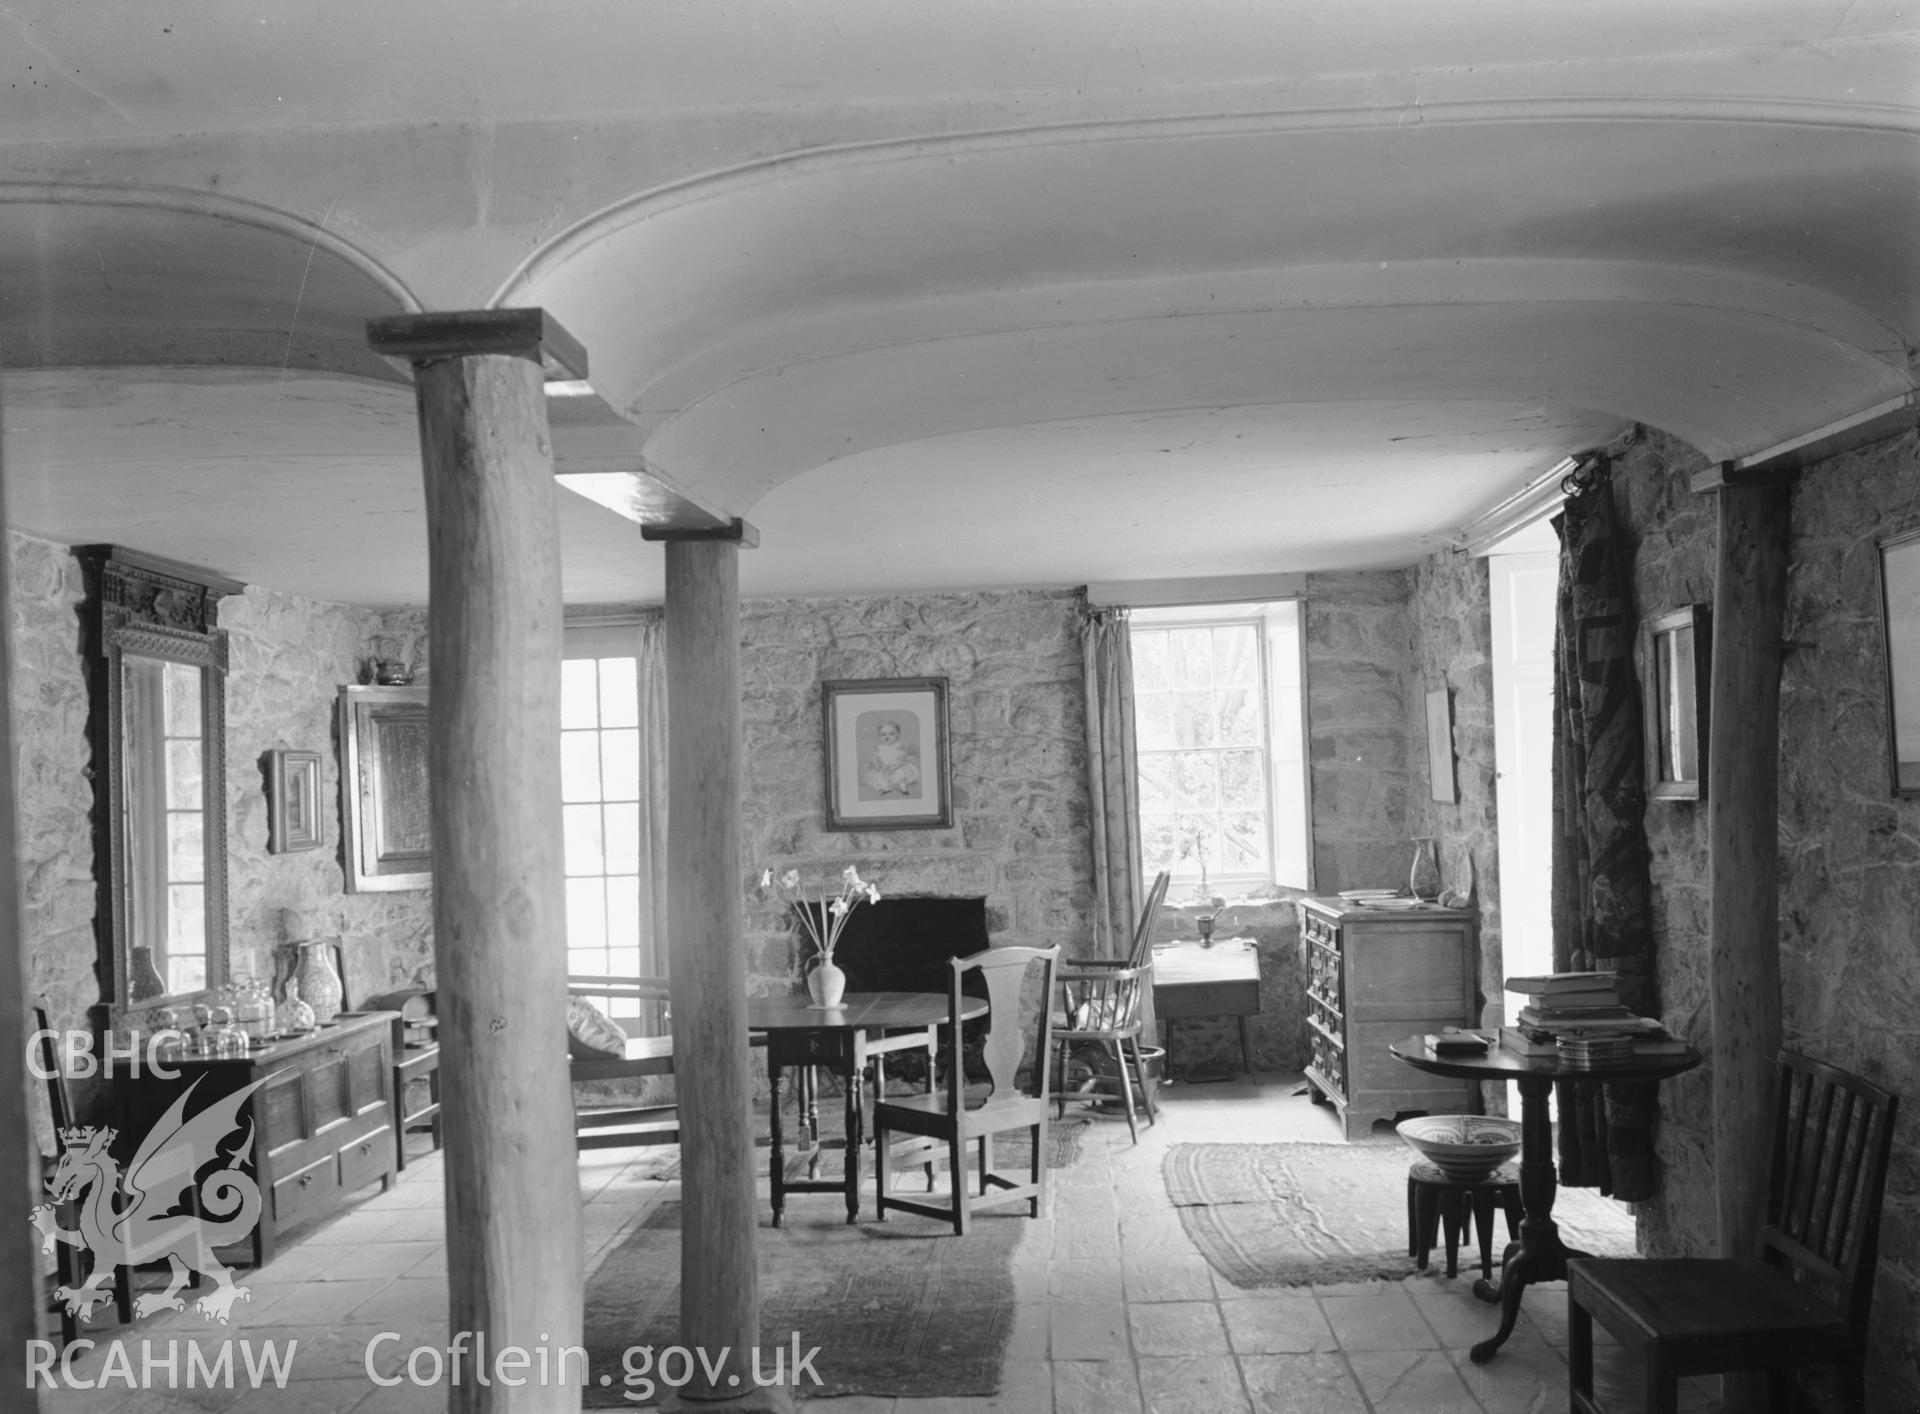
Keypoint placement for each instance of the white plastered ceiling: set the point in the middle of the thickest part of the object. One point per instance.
(941, 296)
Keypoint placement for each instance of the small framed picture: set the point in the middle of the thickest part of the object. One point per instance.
(1676, 655)
(1900, 632)
(886, 751)
(1440, 746)
(293, 792)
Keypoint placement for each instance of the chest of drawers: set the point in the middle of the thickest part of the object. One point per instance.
(1374, 976)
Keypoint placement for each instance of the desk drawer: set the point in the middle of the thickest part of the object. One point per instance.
(834, 1048)
(1207, 999)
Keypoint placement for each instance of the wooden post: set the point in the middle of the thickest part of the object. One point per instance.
(1743, 747)
(513, 1207)
(1743, 847)
(20, 1244)
(719, 1278)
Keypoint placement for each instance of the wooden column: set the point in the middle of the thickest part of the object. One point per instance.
(513, 1189)
(1743, 748)
(719, 1278)
(20, 1244)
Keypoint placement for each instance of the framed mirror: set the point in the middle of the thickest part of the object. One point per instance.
(1676, 654)
(387, 828)
(157, 717)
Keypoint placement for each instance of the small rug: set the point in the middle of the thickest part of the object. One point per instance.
(1267, 1215)
(901, 1309)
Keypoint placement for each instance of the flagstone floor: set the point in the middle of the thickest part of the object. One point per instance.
(1117, 1311)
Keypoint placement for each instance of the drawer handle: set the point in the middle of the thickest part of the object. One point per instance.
(305, 1179)
(366, 1148)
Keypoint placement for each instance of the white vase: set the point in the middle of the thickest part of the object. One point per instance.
(826, 984)
(319, 984)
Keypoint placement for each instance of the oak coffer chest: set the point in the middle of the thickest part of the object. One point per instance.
(1374, 975)
(322, 1122)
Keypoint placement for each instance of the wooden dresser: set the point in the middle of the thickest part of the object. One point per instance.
(322, 1123)
(1374, 976)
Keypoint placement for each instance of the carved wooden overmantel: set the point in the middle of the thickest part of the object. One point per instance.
(142, 608)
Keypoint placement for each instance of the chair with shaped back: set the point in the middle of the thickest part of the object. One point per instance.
(67, 1257)
(1802, 1301)
(961, 1116)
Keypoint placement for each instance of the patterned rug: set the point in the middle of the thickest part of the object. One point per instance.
(901, 1309)
(1268, 1215)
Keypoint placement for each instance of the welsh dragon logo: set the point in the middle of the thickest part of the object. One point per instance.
(167, 1165)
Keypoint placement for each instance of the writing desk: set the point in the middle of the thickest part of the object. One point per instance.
(842, 1039)
(1539, 1255)
(1192, 980)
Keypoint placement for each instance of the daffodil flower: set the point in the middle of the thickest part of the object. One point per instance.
(823, 918)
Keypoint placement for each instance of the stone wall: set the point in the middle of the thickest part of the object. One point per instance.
(287, 657)
(1359, 664)
(1452, 634)
(53, 794)
(1849, 889)
(1017, 723)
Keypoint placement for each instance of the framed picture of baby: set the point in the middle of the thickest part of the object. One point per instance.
(886, 742)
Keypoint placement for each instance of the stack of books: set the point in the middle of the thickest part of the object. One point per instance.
(1578, 1007)
(1453, 1041)
(1600, 1048)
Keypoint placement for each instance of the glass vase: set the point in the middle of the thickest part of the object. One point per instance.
(1424, 878)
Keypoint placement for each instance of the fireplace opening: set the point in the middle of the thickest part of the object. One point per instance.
(906, 945)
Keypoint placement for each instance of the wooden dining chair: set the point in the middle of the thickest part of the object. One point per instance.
(960, 1116)
(1803, 1301)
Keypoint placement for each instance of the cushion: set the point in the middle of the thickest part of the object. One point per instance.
(591, 1032)
(1097, 1014)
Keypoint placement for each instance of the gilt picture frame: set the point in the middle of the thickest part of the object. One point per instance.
(1900, 646)
(293, 798)
(886, 751)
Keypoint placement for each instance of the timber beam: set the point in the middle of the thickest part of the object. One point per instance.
(1771, 464)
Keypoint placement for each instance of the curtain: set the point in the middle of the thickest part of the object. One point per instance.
(1602, 910)
(1113, 779)
(650, 648)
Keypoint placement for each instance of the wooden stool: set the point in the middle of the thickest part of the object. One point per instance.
(1438, 1203)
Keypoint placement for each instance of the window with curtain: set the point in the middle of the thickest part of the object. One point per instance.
(600, 804)
(1220, 729)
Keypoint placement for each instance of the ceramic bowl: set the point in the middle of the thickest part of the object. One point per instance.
(1462, 1146)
